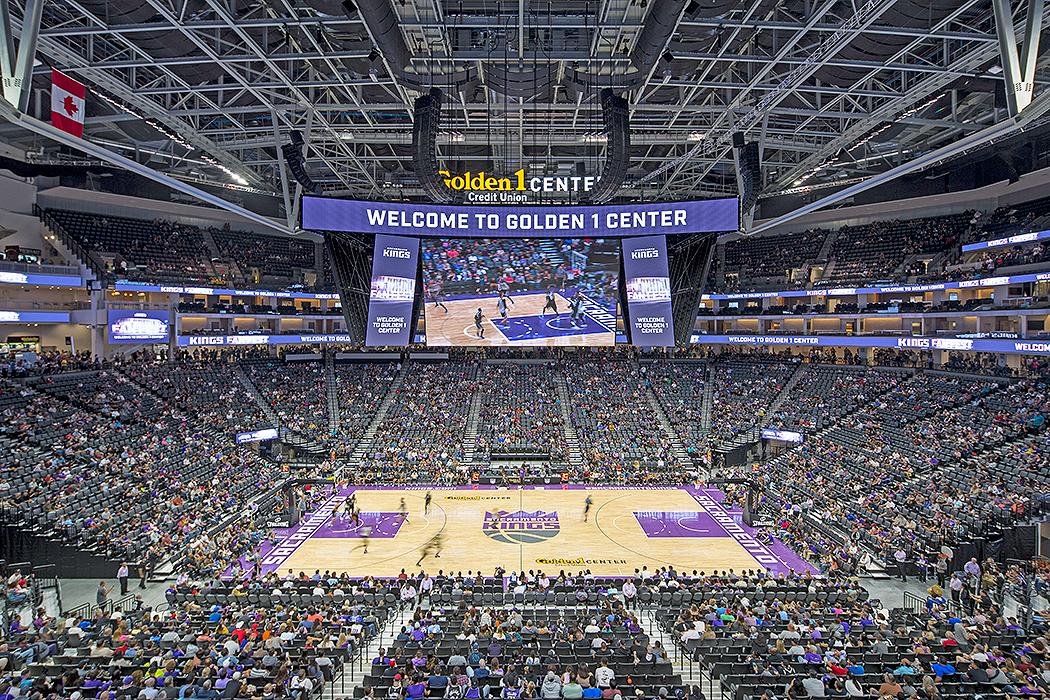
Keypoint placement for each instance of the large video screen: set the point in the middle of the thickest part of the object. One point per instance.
(520, 292)
(129, 327)
(648, 291)
(392, 291)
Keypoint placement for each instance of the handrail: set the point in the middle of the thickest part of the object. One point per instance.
(122, 604)
(90, 260)
(82, 610)
(917, 604)
(46, 269)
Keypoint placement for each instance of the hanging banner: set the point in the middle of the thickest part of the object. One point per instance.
(67, 103)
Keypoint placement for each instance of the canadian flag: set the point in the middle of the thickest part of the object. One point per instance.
(67, 103)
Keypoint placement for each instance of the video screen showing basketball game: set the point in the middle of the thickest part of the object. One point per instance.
(516, 292)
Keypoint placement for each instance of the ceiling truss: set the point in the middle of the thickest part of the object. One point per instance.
(833, 89)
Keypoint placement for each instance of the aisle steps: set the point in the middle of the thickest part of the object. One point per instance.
(331, 392)
(572, 439)
(364, 445)
(470, 431)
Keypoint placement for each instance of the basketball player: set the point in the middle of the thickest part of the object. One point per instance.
(477, 323)
(438, 296)
(402, 511)
(550, 303)
(365, 534)
(501, 305)
(431, 547)
(576, 308)
(426, 503)
(355, 518)
(587, 507)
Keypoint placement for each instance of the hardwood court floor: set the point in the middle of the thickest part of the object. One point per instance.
(611, 543)
(457, 326)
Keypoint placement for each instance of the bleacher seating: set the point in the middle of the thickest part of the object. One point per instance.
(251, 649)
(152, 250)
(878, 251)
(680, 389)
(99, 453)
(744, 387)
(275, 256)
(360, 389)
(819, 644)
(617, 425)
(160, 250)
(421, 438)
(874, 251)
(825, 394)
(296, 393)
(520, 410)
(766, 261)
(203, 388)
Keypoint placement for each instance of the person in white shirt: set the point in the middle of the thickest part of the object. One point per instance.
(301, 686)
(630, 592)
(814, 686)
(122, 576)
(604, 676)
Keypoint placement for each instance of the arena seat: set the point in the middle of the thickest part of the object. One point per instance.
(520, 411)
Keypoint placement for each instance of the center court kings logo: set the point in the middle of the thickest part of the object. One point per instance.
(520, 527)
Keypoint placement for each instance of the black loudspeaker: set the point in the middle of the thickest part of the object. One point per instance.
(293, 157)
(427, 115)
(750, 169)
(616, 121)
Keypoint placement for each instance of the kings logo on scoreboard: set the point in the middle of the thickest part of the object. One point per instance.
(521, 527)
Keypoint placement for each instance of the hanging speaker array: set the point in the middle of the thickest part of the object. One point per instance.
(426, 122)
(749, 176)
(296, 162)
(616, 123)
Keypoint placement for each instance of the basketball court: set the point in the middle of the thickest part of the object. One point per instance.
(526, 325)
(527, 528)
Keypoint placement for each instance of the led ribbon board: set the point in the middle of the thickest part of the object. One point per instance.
(1016, 347)
(398, 218)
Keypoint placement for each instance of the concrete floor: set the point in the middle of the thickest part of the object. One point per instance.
(77, 591)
